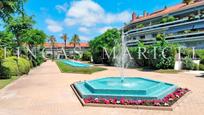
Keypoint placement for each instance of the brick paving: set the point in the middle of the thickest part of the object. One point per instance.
(46, 91)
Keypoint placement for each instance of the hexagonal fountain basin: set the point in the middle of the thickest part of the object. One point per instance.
(131, 88)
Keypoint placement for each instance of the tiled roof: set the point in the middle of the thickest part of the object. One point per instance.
(176, 8)
(68, 45)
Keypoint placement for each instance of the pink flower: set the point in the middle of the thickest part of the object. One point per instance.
(122, 101)
(165, 101)
(96, 100)
(86, 101)
(106, 101)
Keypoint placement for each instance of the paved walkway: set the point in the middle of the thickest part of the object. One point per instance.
(46, 91)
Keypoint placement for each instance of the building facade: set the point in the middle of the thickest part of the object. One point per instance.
(182, 23)
(70, 50)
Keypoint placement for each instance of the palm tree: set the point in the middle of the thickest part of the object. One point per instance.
(52, 40)
(187, 1)
(65, 38)
(75, 40)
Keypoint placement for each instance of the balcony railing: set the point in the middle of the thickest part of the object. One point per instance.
(166, 25)
(197, 36)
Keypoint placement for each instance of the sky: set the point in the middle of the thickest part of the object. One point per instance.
(88, 18)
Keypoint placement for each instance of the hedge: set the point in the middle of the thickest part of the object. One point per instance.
(12, 66)
(16, 66)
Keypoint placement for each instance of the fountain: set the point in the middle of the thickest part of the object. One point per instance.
(136, 88)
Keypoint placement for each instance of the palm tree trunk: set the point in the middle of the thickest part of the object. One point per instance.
(53, 53)
(65, 43)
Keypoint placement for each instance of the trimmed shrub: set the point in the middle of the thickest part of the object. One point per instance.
(24, 66)
(12, 66)
(16, 66)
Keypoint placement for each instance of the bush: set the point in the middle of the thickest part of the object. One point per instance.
(1, 53)
(4, 72)
(140, 25)
(38, 60)
(188, 64)
(16, 66)
(76, 57)
(171, 19)
(164, 20)
(168, 19)
(201, 67)
(159, 62)
(12, 66)
(86, 56)
(200, 54)
(24, 66)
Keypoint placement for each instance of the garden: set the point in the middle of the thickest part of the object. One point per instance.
(18, 39)
(65, 68)
(152, 55)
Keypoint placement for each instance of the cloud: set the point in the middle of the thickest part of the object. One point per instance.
(53, 26)
(88, 13)
(84, 38)
(62, 8)
(84, 30)
(104, 29)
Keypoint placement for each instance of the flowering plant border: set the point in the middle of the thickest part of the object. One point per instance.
(168, 103)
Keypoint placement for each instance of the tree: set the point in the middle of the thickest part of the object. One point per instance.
(6, 38)
(8, 7)
(34, 37)
(52, 40)
(75, 40)
(19, 25)
(187, 1)
(109, 39)
(65, 38)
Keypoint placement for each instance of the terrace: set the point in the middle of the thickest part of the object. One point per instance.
(46, 90)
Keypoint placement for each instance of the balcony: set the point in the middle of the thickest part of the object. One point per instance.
(167, 25)
(179, 38)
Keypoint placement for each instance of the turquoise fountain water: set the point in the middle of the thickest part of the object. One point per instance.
(75, 63)
(124, 87)
(130, 88)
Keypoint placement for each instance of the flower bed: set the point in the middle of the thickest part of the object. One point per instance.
(167, 101)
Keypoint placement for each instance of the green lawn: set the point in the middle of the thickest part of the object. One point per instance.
(69, 69)
(167, 71)
(4, 82)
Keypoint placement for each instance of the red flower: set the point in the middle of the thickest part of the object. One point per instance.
(122, 101)
(106, 101)
(96, 100)
(86, 101)
(165, 101)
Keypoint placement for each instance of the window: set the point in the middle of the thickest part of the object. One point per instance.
(142, 37)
